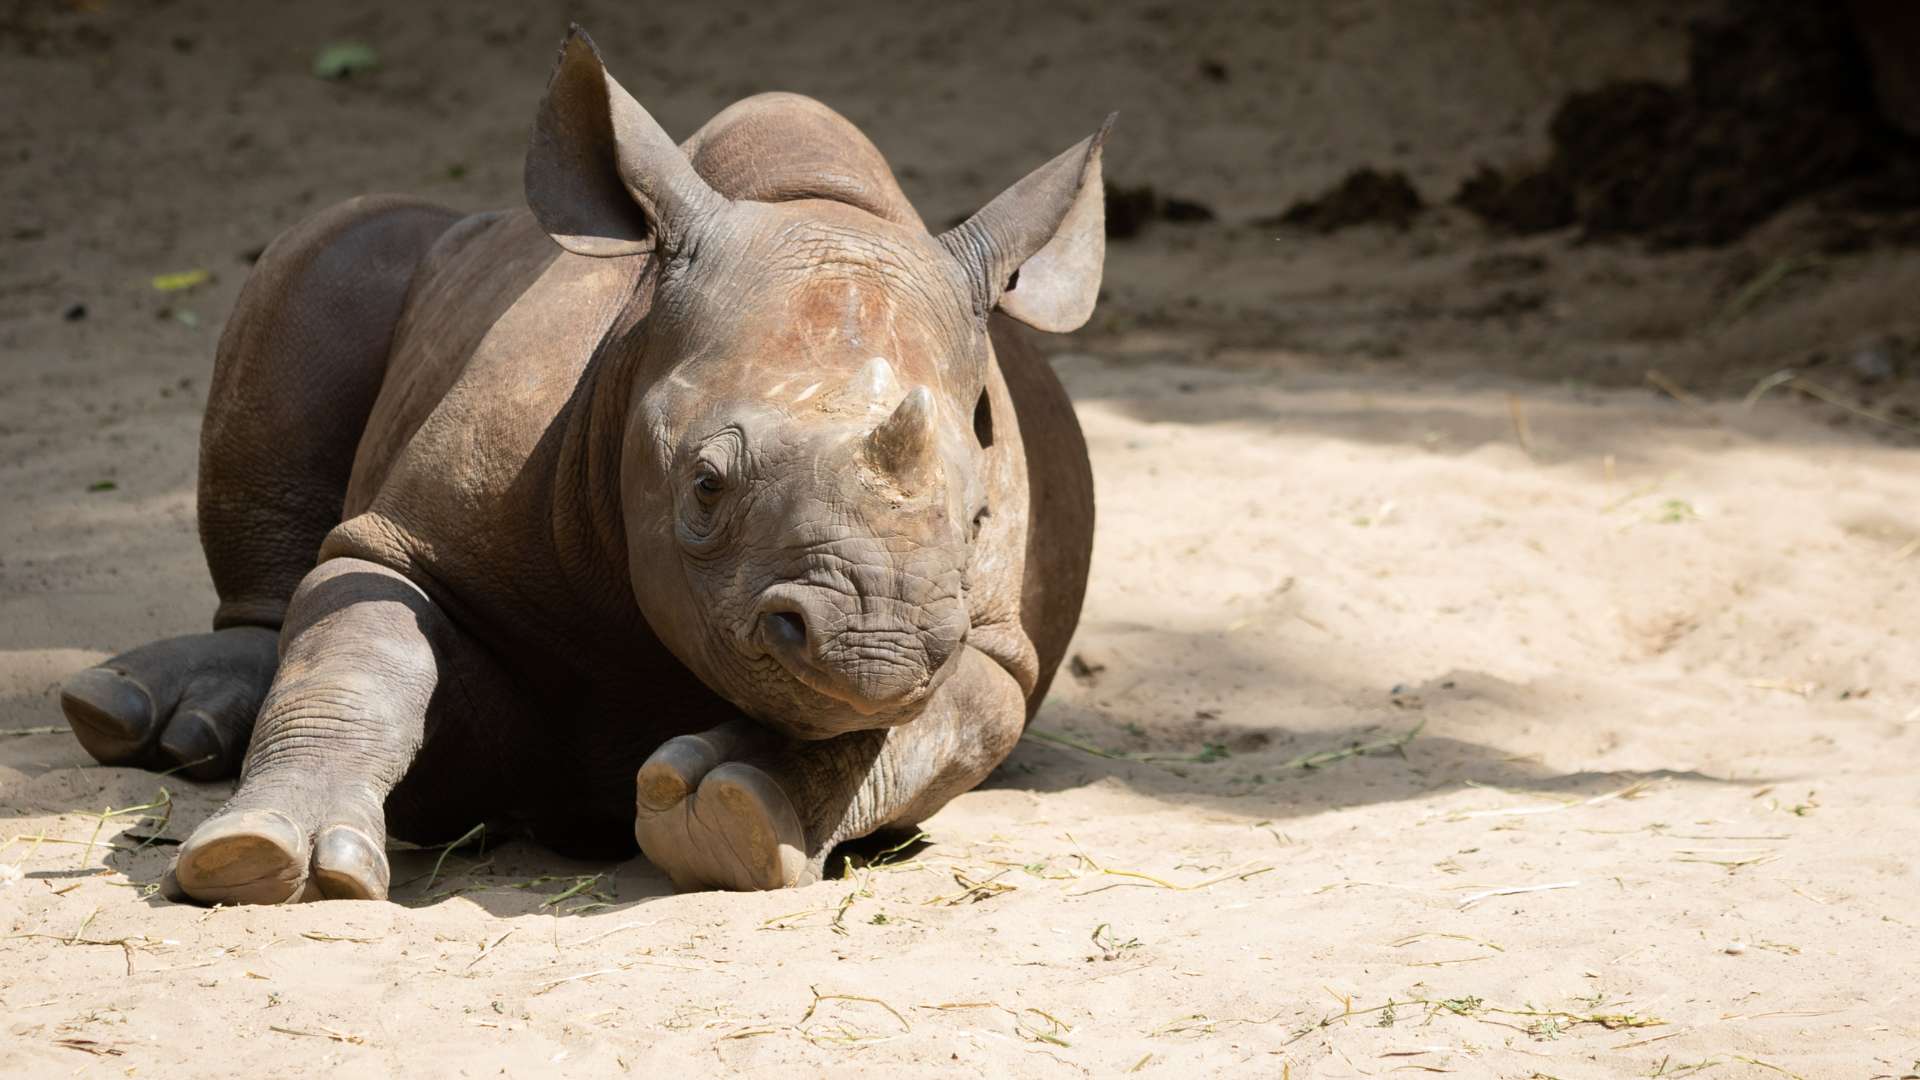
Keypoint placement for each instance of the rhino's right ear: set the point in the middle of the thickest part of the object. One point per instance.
(602, 178)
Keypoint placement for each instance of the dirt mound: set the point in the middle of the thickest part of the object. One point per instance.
(1366, 196)
(1778, 106)
(1131, 209)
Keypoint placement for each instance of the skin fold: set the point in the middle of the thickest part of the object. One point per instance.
(710, 502)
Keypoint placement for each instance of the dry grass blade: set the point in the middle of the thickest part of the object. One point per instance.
(819, 997)
(320, 1033)
(844, 1035)
(1678, 393)
(557, 983)
(84, 923)
(580, 884)
(1448, 963)
(1072, 744)
(14, 732)
(1515, 890)
(1208, 752)
(1148, 881)
(1522, 433)
(1323, 758)
(1425, 934)
(1730, 864)
(1050, 1034)
(316, 935)
(621, 929)
(888, 856)
(1791, 378)
(1654, 1039)
(165, 801)
(1139, 880)
(1548, 1022)
(1768, 1065)
(1610, 1021)
(1786, 686)
(1764, 283)
(973, 891)
(89, 1046)
(1632, 790)
(1814, 389)
(479, 831)
(485, 952)
(1201, 1024)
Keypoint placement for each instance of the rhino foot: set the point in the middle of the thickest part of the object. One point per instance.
(185, 703)
(714, 823)
(258, 853)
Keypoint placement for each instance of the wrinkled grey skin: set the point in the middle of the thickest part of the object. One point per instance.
(708, 504)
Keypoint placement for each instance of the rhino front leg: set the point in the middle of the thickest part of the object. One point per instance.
(740, 808)
(340, 725)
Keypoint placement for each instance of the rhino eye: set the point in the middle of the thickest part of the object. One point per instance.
(708, 483)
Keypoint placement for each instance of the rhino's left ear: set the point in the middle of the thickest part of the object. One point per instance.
(1036, 250)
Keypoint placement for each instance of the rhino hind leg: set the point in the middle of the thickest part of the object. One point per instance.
(298, 368)
(184, 703)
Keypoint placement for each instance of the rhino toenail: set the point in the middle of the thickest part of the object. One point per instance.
(109, 705)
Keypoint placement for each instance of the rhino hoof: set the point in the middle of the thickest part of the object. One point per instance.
(183, 704)
(111, 714)
(712, 825)
(253, 857)
(264, 857)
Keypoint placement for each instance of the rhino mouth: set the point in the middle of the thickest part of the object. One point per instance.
(879, 659)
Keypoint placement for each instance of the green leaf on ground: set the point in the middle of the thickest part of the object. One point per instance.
(343, 59)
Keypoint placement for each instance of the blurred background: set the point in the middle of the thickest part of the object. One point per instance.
(1467, 185)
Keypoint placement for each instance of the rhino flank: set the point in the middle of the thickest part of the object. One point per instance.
(710, 502)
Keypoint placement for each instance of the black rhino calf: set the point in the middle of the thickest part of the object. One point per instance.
(708, 504)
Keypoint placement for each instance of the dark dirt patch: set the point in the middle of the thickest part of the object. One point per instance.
(1366, 196)
(1778, 106)
(1522, 203)
(1131, 209)
(1506, 266)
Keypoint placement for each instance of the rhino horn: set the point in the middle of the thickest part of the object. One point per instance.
(903, 446)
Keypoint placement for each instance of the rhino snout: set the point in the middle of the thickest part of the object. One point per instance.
(873, 661)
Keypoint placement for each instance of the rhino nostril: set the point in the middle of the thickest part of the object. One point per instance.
(784, 629)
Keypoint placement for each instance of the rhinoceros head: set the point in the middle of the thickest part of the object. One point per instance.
(801, 480)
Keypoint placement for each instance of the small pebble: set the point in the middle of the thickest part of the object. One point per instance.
(1873, 364)
(1736, 948)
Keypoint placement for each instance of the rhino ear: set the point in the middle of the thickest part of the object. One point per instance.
(602, 178)
(1036, 250)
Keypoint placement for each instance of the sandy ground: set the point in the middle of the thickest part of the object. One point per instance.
(1452, 701)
